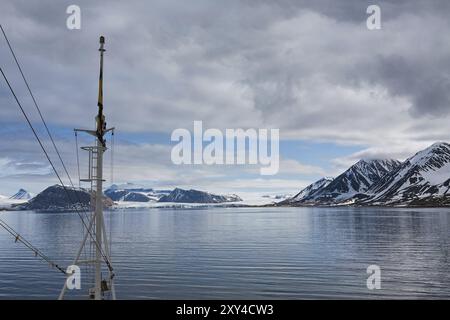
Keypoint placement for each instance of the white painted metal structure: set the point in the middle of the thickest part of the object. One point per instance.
(96, 231)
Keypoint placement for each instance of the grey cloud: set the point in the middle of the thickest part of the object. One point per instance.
(310, 68)
(253, 62)
(425, 82)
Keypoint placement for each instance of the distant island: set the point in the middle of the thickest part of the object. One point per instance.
(58, 199)
(131, 193)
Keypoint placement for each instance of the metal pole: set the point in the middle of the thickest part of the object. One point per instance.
(99, 180)
(99, 222)
(108, 256)
(96, 176)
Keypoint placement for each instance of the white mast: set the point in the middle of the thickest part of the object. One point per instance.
(102, 252)
(101, 126)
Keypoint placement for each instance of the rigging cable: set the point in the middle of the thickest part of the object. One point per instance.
(36, 105)
(37, 252)
(112, 156)
(53, 167)
(78, 159)
(112, 182)
(41, 116)
(79, 186)
(54, 145)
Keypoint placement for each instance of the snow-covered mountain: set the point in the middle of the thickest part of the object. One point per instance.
(194, 196)
(356, 180)
(423, 179)
(22, 194)
(311, 190)
(130, 187)
(278, 197)
(130, 192)
(133, 193)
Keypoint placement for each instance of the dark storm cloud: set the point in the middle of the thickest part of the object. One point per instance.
(310, 68)
(350, 10)
(252, 58)
(426, 82)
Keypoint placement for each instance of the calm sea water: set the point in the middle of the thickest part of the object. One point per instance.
(245, 253)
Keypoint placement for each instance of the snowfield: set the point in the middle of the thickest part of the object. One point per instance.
(7, 202)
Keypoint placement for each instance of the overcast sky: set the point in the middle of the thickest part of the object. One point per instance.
(337, 91)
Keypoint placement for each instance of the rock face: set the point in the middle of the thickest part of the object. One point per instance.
(55, 199)
(195, 196)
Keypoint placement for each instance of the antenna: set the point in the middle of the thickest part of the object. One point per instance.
(100, 119)
(95, 178)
